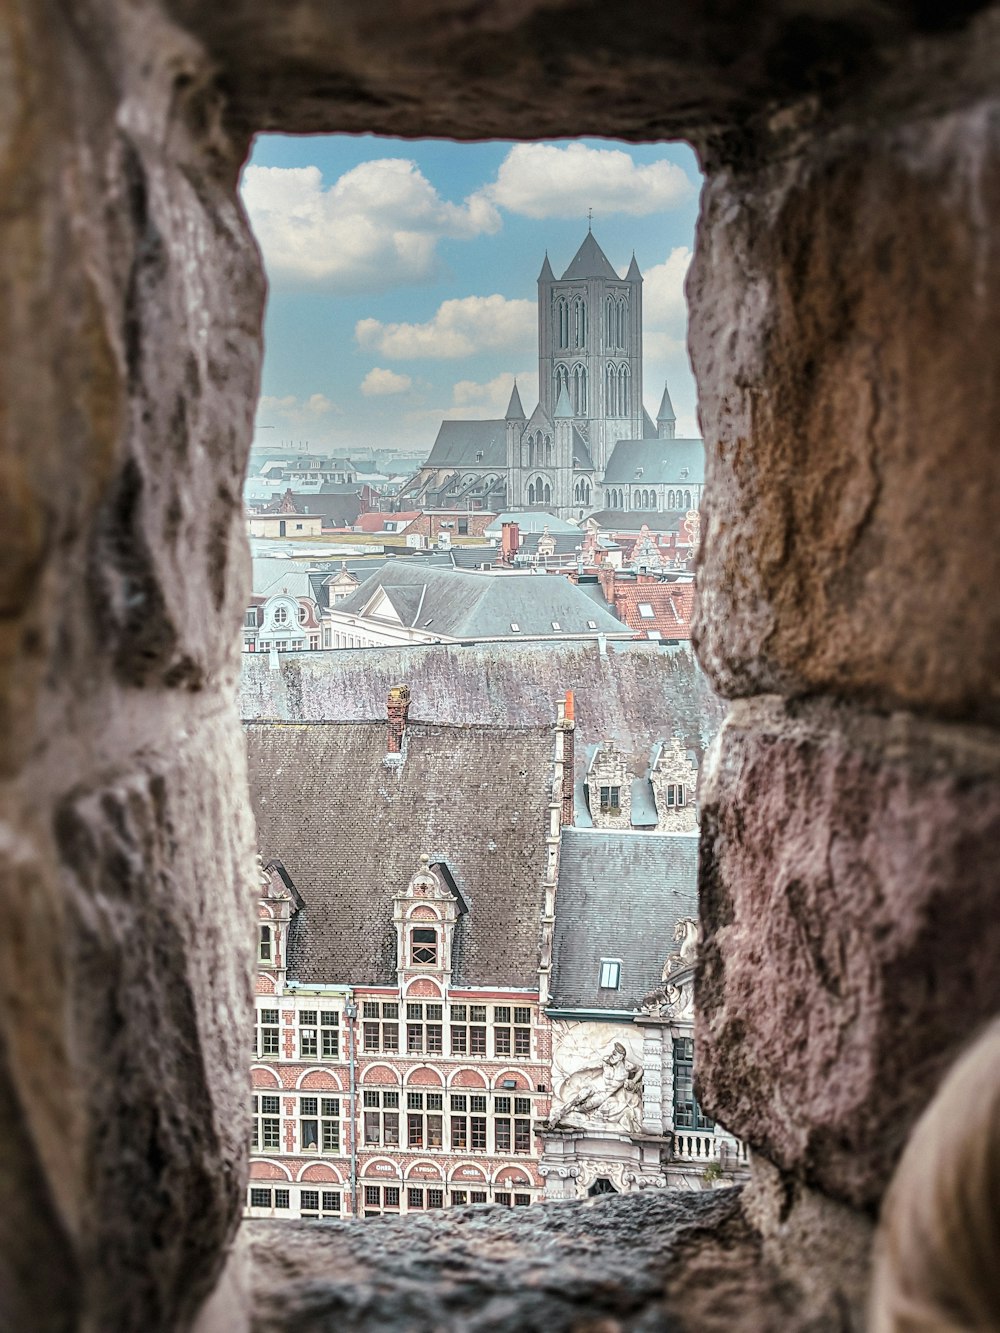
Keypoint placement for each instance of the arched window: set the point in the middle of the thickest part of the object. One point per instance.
(547, 499)
(580, 321)
(562, 321)
(548, 449)
(580, 390)
(670, 500)
(561, 379)
(624, 392)
(611, 322)
(611, 391)
(265, 944)
(652, 500)
(622, 321)
(531, 451)
(687, 499)
(531, 492)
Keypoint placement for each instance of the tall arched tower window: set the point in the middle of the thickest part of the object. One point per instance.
(624, 391)
(562, 321)
(580, 390)
(611, 391)
(622, 321)
(561, 379)
(580, 321)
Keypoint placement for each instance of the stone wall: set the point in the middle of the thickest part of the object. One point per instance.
(844, 303)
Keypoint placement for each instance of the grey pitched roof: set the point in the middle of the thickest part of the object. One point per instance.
(649, 431)
(590, 261)
(271, 576)
(633, 695)
(662, 462)
(631, 520)
(546, 274)
(350, 831)
(465, 605)
(633, 274)
(581, 452)
(530, 520)
(458, 442)
(666, 412)
(564, 408)
(620, 896)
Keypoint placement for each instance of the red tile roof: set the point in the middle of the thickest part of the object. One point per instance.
(670, 603)
(376, 522)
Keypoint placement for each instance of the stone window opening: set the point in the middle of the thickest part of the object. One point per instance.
(610, 798)
(265, 944)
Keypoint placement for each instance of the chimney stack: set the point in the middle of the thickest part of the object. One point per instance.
(567, 723)
(398, 711)
(606, 578)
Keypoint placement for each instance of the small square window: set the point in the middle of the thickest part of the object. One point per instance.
(611, 974)
(260, 1198)
(646, 611)
(282, 1198)
(515, 627)
(555, 624)
(592, 624)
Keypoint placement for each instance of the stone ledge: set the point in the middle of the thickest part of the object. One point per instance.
(655, 1262)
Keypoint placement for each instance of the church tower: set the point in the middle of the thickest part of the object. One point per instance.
(590, 344)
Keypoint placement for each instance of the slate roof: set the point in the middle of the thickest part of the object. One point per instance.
(620, 896)
(270, 576)
(350, 831)
(633, 695)
(458, 442)
(661, 461)
(530, 520)
(590, 261)
(461, 604)
(630, 521)
(581, 452)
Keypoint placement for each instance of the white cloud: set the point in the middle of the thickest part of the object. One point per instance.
(543, 181)
(292, 411)
(459, 328)
(664, 305)
(374, 228)
(380, 383)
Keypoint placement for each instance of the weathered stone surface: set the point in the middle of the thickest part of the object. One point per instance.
(848, 891)
(656, 1262)
(849, 393)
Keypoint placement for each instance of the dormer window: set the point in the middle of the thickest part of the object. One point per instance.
(423, 946)
(646, 611)
(265, 944)
(611, 974)
(280, 615)
(515, 627)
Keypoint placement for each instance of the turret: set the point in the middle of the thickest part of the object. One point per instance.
(666, 421)
(633, 274)
(515, 412)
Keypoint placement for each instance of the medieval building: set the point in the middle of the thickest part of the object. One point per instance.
(589, 444)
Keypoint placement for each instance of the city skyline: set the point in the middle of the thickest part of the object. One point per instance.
(402, 274)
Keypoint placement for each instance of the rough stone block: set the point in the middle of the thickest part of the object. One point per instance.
(845, 321)
(849, 871)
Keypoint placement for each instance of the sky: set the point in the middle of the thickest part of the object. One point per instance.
(402, 275)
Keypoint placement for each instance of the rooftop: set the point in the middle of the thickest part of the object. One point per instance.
(656, 462)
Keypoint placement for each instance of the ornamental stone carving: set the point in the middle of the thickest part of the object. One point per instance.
(607, 1096)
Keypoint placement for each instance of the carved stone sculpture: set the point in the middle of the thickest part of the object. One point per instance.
(608, 1095)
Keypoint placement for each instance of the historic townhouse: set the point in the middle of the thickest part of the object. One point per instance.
(402, 1051)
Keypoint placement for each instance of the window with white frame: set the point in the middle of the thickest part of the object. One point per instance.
(646, 611)
(676, 794)
(468, 1029)
(424, 1028)
(268, 1198)
(611, 974)
(319, 1124)
(381, 1116)
(468, 1121)
(424, 1119)
(380, 1025)
(267, 1042)
(266, 1136)
(265, 944)
(319, 1203)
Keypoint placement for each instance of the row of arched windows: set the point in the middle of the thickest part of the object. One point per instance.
(575, 383)
(536, 451)
(616, 322)
(618, 391)
(620, 498)
(571, 321)
(581, 491)
(539, 492)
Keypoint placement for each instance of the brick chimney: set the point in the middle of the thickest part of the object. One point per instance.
(606, 578)
(398, 711)
(567, 723)
(510, 541)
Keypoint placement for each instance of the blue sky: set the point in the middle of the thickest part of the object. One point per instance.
(402, 274)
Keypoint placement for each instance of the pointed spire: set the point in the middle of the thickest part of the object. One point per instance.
(515, 412)
(633, 274)
(666, 421)
(564, 408)
(590, 261)
(546, 274)
(666, 412)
